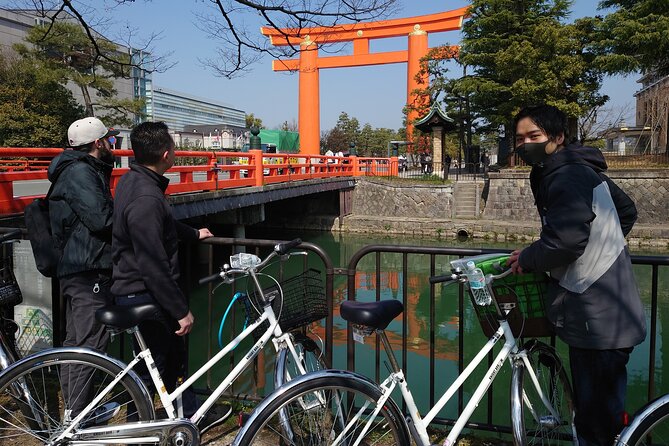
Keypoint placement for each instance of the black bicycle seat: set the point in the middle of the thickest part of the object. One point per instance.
(124, 317)
(371, 314)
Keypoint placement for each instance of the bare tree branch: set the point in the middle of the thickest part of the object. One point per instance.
(226, 21)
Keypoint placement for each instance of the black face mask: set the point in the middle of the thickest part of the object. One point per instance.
(533, 153)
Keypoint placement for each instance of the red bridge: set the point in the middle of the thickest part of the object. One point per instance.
(196, 172)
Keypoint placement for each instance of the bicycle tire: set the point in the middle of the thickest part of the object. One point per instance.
(650, 426)
(343, 392)
(313, 360)
(532, 422)
(37, 419)
(286, 369)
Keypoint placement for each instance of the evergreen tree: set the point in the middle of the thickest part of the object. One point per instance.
(521, 52)
(252, 121)
(66, 51)
(633, 37)
(35, 110)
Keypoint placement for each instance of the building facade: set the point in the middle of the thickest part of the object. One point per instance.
(178, 110)
(652, 111)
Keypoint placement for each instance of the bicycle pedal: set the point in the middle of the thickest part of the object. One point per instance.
(242, 418)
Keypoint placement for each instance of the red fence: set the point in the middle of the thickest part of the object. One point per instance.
(220, 170)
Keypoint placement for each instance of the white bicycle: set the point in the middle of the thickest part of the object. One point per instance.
(337, 407)
(120, 410)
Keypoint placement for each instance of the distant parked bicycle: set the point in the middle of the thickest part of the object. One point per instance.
(337, 407)
(120, 409)
(10, 296)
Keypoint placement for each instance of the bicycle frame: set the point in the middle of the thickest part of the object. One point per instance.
(168, 399)
(418, 426)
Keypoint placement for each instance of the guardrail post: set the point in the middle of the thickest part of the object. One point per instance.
(256, 161)
(354, 162)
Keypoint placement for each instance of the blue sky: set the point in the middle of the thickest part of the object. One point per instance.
(374, 95)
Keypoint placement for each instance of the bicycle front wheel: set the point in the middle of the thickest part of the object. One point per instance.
(310, 357)
(650, 426)
(325, 408)
(40, 410)
(542, 411)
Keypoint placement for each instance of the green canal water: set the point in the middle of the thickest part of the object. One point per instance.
(340, 248)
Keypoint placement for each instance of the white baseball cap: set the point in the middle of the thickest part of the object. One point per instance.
(87, 130)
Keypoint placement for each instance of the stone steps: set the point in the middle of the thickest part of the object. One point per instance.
(467, 200)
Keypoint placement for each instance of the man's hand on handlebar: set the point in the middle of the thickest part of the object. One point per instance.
(513, 262)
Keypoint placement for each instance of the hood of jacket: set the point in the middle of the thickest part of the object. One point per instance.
(575, 154)
(69, 157)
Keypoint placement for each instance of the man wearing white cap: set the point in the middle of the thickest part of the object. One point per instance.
(80, 210)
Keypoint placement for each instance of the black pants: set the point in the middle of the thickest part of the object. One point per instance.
(84, 293)
(599, 378)
(167, 349)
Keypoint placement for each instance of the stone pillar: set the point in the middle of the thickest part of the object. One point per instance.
(437, 146)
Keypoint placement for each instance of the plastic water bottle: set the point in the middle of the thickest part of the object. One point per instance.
(477, 285)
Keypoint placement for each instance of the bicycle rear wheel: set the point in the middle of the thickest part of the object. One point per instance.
(42, 411)
(649, 427)
(319, 405)
(532, 422)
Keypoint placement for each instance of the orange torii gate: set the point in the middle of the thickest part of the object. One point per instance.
(360, 34)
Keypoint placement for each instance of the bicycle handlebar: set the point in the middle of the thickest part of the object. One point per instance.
(282, 248)
(279, 249)
(455, 277)
(444, 278)
(208, 279)
(10, 235)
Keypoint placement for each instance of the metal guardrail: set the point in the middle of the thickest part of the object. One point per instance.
(616, 161)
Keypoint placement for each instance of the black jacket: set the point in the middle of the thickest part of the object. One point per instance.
(145, 241)
(594, 300)
(80, 211)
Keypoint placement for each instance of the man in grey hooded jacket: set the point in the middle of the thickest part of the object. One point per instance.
(593, 301)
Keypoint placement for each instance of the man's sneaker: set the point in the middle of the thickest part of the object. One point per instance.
(214, 416)
(101, 415)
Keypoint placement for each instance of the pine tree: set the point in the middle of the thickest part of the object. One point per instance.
(521, 52)
(66, 51)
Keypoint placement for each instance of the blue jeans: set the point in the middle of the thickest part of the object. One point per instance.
(599, 378)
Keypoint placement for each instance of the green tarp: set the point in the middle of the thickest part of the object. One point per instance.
(286, 142)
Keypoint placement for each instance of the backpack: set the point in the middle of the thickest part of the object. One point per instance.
(36, 216)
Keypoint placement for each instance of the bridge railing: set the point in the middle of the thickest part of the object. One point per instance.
(209, 171)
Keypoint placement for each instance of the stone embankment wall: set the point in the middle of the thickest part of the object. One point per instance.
(510, 197)
(508, 208)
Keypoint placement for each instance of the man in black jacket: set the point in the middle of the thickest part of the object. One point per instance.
(593, 299)
(145, 253)
(80, 211)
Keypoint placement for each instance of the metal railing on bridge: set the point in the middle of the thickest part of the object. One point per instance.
(210, 170)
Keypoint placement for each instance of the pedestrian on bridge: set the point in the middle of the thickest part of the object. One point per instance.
(80, 211)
